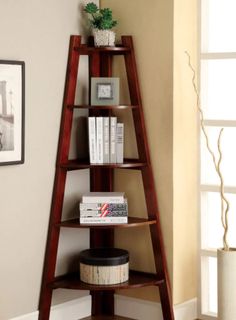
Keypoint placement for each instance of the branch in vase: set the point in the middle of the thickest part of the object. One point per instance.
(224, 202)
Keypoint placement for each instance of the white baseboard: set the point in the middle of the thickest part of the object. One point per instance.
(29, 316)
(124, 306)
(142, 309)
(71, 310)
(186, 310)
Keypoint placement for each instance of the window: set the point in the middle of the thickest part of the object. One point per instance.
(218, 101)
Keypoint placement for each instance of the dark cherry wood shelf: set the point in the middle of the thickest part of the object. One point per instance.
(132, 222)
(103, 317)
(117, 50)
(89, 107)
(84, 164)
(137, 279)
(100, 64)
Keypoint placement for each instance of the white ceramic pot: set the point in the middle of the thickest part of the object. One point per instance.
(226, 262)
(104, 38)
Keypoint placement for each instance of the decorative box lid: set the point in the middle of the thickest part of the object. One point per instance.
(104, 256)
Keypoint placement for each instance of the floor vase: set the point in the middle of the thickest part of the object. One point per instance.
(226, 263)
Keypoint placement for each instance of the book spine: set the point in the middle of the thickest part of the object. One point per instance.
(113, 121)
(92, 139)
(120, 143)
(102, 206)
(87, 199)
(106, 136)
(103, 213)
(106, 220)
(100, 148)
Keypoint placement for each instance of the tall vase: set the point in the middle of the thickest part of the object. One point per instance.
(226, 262)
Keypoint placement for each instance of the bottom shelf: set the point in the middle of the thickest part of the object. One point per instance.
(106, 318)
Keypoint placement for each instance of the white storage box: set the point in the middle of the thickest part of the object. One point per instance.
(103, 266)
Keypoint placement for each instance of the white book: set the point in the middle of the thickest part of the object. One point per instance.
(118, 212)
(103, 197)
(92, 139)
(100, 140)
(102, 206)
(106, 220)
(113, 121)
(106, 135)
(120, 142)
(95, 214)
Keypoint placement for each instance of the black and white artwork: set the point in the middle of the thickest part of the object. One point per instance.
(12, 93)
(105, 91)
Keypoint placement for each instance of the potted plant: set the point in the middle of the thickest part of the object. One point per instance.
(226, 256)
(102, 22)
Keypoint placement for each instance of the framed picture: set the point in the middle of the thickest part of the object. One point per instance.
(105, 91)
(12, 112)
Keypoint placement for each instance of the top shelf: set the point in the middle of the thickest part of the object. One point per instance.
(118, 107)
(84, 49)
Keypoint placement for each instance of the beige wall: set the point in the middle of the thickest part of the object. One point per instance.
(154, 53)
(162, 30)
(36, 32)
(185, 142)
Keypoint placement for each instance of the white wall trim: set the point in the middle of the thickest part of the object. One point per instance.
(143, 309)
(29, 316)
(186, 310)
(71, 310)
(124, 306)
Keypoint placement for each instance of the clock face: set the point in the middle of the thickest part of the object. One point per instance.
(104, 91)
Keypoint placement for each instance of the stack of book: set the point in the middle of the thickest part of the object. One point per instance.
(103, 208)
(106, 140)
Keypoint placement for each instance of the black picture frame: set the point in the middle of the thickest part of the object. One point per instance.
(12, 112)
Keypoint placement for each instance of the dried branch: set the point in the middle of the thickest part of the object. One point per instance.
(224, 202)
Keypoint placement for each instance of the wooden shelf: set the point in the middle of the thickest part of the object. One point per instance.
(84, 164)
(103, 317)
(102, 179)
(137, 279)
(117, 50)
(89, 107)
(132, 222)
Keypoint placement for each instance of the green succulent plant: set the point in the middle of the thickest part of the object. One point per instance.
(100, 18)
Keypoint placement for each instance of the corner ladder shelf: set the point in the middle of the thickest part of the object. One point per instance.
(101, 179)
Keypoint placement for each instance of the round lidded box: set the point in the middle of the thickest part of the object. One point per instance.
(104, 266)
